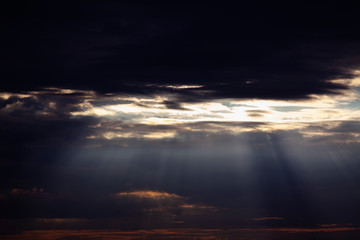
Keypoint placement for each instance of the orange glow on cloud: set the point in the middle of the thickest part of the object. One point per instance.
(147, 194)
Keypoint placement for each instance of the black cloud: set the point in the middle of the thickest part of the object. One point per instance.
(255, 50)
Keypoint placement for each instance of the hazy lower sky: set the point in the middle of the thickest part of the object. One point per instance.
(139, 120)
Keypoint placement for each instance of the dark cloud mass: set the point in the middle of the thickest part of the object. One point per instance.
(251, 50)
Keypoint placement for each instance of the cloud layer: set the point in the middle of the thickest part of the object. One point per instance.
(252, 51)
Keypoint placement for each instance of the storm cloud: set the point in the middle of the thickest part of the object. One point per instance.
(258, 50)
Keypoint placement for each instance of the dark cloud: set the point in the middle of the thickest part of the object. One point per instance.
(256, 113)
(174, 105)
(257, 50)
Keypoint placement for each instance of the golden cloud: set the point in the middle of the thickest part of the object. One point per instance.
(147, 194)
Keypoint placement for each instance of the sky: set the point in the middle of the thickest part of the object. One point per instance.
(157, 120)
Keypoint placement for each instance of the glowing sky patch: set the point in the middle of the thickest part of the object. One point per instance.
(147, 195)
(153, 111)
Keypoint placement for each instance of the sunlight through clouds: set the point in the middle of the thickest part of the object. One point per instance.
(281, 114)
(179, 120)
